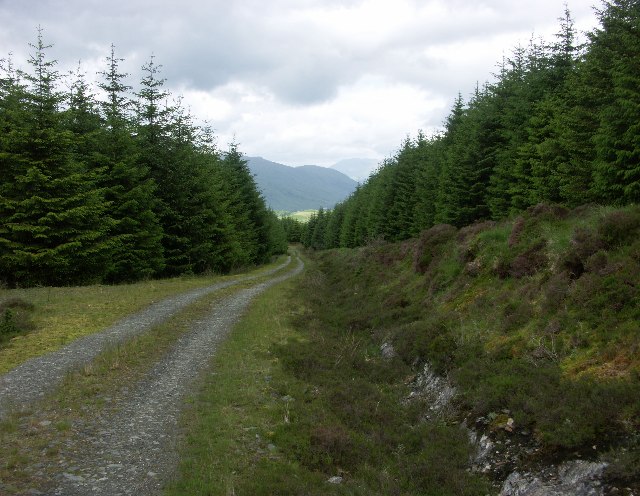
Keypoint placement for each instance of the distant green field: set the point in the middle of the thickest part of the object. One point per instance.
(302, 215)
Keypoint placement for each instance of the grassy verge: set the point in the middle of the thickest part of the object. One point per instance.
(33, 444)
(57, 316)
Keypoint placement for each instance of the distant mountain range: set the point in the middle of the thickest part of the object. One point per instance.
(300, 188)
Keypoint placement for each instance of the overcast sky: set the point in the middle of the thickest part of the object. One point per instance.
(298, 81)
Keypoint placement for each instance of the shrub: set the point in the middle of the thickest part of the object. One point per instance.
(581, 412)
(431, 244)
(15, 318)
(624, 465)
(584, 243)
(467, 239)
(332, 446)
(516, 313)
(529, 262)
(608, 293)
(7, 324)
(444, 274)
(597, 263)
(543, 211)
(428, 340)
(516, 231)
(555, 291)
(619, 227)
(433, 446)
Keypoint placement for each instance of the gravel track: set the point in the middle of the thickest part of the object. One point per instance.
(132, 450)
(33, 379)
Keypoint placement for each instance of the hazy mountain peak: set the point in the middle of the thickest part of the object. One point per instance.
(299, 188)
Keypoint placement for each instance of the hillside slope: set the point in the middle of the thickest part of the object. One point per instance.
(525, 331)
(299, 188)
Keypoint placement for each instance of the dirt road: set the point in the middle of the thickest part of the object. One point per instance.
(131, 449)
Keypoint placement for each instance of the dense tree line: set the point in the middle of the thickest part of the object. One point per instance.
(560, 124)
(117, 188)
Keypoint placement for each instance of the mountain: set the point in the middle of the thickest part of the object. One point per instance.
(299, 188)
(356, 168)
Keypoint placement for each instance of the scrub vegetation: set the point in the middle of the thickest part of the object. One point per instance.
(536, 316)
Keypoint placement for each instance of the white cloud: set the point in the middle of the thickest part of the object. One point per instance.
(298, 81)
(366, 119)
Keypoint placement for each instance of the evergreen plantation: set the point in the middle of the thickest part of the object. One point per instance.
(120, 188)
(560, 124)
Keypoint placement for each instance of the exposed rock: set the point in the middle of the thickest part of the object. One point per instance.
(387, 351)
(436, 390)
(502, 421)
(577, 478)
(73, 478)
(484, 447)
(335, 480)
(501, 450)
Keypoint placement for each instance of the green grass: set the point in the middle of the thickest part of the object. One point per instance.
(63, 314)
(301, 215)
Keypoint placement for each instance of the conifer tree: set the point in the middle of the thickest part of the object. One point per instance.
(348, 238)
(614, 58)
(55, 216)
(332, 231)
(429, 165)
(12, 124)
(546, 155)
(198, 231)
(138, 252)
(247, 208)
(448, 183)
(317, 227)
(376, 200)
(399, 219)
(83, 119)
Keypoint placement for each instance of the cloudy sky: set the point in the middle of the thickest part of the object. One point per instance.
(297, 81)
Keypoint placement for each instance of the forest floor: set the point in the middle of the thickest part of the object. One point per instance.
(100, 416)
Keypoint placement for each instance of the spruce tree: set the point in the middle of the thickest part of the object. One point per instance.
(246, 207)
(448, 194)
(138, 252)
(429, 162)
(56, 222)
(399, 221)
(332, 231)
(546, 155)
(614, 57)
